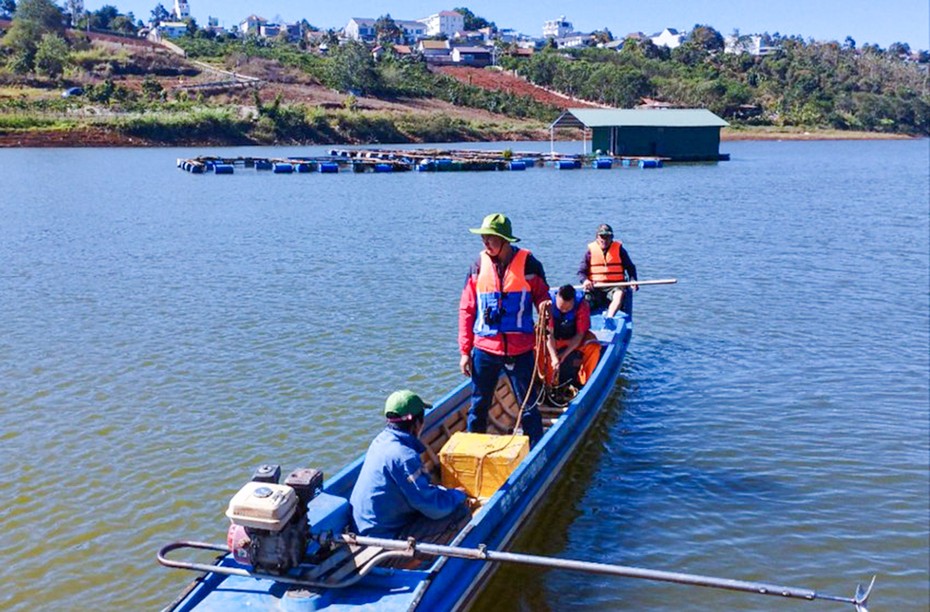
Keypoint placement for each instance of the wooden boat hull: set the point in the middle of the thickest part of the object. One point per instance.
(448, 583)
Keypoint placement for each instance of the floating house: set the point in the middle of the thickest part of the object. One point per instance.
(675, 134)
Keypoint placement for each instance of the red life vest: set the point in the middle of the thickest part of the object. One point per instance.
(507, 307)
(606, 268)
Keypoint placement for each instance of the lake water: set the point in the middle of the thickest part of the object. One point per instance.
(163, 333)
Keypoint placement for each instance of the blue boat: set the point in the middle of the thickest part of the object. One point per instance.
(355, 577)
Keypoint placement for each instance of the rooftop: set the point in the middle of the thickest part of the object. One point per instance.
(670, 117)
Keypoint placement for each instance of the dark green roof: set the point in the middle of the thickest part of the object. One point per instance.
(666, 117)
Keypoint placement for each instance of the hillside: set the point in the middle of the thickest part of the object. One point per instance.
(501, 80)
(229, 91)
(139, 93)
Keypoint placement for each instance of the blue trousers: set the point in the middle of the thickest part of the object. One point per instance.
(485, 370)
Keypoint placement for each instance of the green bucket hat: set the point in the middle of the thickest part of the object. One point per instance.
(404, 405)
(496, 224)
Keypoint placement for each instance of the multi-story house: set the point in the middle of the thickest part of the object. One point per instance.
(557, 28)
(444, 23)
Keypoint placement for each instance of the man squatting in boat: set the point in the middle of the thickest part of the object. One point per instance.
(393, 496)
(606, 261)
(502, 290)
(570, 341)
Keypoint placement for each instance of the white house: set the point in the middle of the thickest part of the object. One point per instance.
(181, 10)
(573, 40)
(669, 37)
(557, 28)
(269, 30)
(172, 29)
(362, 28)
(435, 51)
(473, 56)
(751, 44)
(413, 30)
(446, 23)
(251, 25)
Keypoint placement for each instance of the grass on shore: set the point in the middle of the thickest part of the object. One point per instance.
(287, 125)
(802, 133)
(299, 124)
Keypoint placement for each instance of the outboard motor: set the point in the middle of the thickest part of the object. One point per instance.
(269, 528)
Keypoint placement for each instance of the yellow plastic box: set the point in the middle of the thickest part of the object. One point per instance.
(480, 463)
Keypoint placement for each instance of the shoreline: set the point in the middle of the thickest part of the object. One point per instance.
(98, 137)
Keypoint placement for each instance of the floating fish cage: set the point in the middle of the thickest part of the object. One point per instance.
(390, 161)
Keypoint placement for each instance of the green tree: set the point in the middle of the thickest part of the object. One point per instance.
(159, 14)
(191, 26)
(103, 17)
(387, 30)
(602, 36)
(899, 49)
(32, 20)
(75, 9)
(123, 24)
(706, 38)
(472, 21)
(51, 55)
(351, 68)
(152, 89)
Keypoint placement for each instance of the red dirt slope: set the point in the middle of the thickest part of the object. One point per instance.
(500, 80)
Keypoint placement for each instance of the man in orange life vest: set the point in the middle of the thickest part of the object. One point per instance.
(570, 333)
(606, 261)
(496, 322)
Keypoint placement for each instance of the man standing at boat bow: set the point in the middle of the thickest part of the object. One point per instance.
(496, 332)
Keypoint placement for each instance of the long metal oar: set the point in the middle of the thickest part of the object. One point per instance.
(658, 281)
(860, 600)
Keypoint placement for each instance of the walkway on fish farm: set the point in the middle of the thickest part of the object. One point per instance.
(420, 160)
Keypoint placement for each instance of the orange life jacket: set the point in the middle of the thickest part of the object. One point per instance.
(507, 307)
(606, 268)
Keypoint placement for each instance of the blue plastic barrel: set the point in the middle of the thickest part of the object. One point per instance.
(328, 168)
(384, 168)
(262, 164)
(518, 165)
(566, 164)
(222, 168)
(648, 163)
(603, 163)
(303, 167)
(197, 168)
(282, 168)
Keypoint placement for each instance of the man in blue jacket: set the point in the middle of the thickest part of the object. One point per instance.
(393, 496)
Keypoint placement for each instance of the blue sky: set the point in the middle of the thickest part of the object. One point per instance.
(867, 21)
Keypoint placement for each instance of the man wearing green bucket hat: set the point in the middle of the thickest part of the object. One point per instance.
(393, 496)
(496, 332)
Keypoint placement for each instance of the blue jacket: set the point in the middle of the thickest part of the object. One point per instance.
(392, 489)
(565, 324)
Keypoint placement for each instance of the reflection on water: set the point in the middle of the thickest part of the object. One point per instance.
(163, 333)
